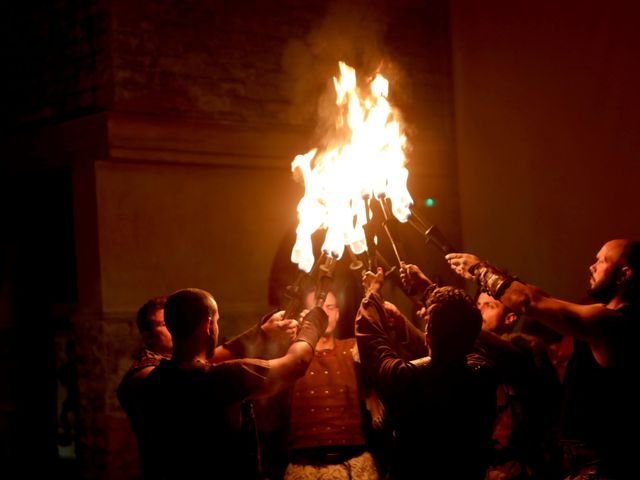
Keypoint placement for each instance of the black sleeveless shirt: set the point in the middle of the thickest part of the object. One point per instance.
(601, 405)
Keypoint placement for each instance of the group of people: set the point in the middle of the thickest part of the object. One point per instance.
(467, 397)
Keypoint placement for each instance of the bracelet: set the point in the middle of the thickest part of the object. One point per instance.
(491, 279)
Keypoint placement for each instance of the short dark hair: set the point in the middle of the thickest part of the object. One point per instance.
(185, 310)
(454, 321)
(147, 310)
(507, 309)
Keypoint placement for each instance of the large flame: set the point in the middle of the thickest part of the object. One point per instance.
(367, 164)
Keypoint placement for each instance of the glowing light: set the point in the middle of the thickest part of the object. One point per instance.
(366, 161)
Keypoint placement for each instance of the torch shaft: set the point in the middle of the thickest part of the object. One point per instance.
(369, 235)
(431, 234)
(393, 244)
(325, 279)
(417, 225)
(294, 291)
(417, 221)
(295, 297)
(355, 264)
(386, 229)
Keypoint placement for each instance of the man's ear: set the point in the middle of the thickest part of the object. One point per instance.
(623, 275)
(510, 318)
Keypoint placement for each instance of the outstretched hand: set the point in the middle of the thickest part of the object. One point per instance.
(279, 329)
(412, 278)
(461, 263)
(395, 320)
(372, 282)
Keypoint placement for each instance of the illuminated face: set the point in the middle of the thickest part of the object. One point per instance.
(602, 282)
(494, 313)
(158, 337)
(330, 307)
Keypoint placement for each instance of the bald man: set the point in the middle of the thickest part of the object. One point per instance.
(600, 424)
(197, 421)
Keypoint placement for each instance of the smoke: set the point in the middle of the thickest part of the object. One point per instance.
(352, 32)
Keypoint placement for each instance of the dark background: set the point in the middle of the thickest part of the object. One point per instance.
(146, 147)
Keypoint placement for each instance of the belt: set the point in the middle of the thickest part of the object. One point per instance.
(325, 455)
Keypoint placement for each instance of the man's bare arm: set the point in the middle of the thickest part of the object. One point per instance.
(276, 332)
(284, 371)
(596, 324)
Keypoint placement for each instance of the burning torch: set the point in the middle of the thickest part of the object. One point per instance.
(325, 278)
(294, 293)
(385, 225)
(363, 161)
(431, 234)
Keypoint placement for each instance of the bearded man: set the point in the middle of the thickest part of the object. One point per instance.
(600, 422)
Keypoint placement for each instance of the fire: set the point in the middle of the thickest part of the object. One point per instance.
(366, 163)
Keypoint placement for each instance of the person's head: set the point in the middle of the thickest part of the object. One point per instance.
(150, 322)
(192, 316)
(331, 308)
(616, 271)
(452, 323)
(496, 316)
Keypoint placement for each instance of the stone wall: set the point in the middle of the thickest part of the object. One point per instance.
(58, 60)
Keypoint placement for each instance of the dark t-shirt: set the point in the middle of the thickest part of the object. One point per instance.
(129, 388)
(442, 417)
(196, 421)
(601, 405)
(130, 396)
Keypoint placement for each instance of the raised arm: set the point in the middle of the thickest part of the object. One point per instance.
(596, 324)
(379, 359)
(408, 339)
(270, 338)
(284, 371)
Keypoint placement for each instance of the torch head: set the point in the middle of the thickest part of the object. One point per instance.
(435, 236)
(325, 279)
